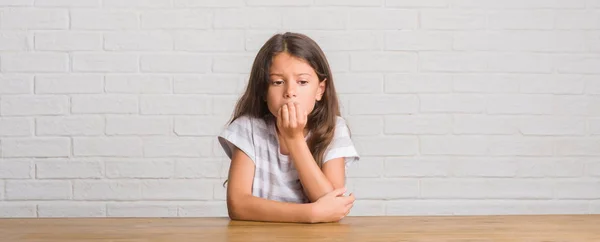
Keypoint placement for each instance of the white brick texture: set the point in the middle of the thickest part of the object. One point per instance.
(110, 108)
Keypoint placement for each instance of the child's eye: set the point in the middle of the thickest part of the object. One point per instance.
(303, 82)
(277, 82)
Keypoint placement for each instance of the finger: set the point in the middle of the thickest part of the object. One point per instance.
(293, 119)
(279, 117)
(301, 114)
(337, 192)
(285, 116)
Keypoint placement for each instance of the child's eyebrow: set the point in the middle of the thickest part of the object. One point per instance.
(299, 74)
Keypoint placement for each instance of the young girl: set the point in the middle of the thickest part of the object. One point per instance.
(288, 145)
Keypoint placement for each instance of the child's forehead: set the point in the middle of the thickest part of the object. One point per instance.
(287, 64)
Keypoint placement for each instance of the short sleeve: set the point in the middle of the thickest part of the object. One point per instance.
(341, 145)
(238, 134)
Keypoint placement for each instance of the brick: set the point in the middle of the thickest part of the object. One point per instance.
(70, 126)
(138, 41)
(16, 127)
(203, 126)
(417, 83)
(67, 3)
(485, 189)
(135, 168)
(136, 83)
(138, 125)
(440, 207)
(418, 40)
(521, 19)
(15, 3)
(519, 104)
(186, 63)
(38, 190)
(577, 190)
(236, 64)
(374, 104)
(367, 208)
(34, 19)
(484, 124)
(452, 19)
(382, 19)
(137, 209)
(15, 169)
(69, 169)
(417, 167)
(137, 4)
(17, 210)
(201, 168)
(33, 105)
(347, 40)
(556, 41)
(176, 19)
(187, 189)
(388, 189)
(14, 41)
(377, 62)
(486, 83)
(452, 103)
(584, 64)
(417, 4)
(516, 4)
(36, 147)
(223, 40)
(366, 167)
(104, 19)
(279, 3)
(520, 146)
(68, 83)
(34, 62)
(570, 105)
(555, 126)
(175, 104)
(453, 145)
(104, 104)
(106, 190)
(105, 62)
(358, 83)
(573, 19)
(207, 3)
(204, 209)
(68, 41)
(387, 145)
(247, 18)
(317, 19)
(224, 105)
(107, 147)
(365, 125)
(16, 84)
(178, 147)
(555, 84)
(554, 167)
(583, 146)
(72, 209)
(418, 124)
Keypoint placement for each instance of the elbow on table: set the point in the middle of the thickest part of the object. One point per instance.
(235, 209)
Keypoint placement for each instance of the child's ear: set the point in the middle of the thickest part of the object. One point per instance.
(321, 89)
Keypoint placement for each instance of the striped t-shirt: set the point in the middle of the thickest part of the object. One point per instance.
(275, 176)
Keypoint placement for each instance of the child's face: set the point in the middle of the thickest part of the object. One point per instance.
(291, 79)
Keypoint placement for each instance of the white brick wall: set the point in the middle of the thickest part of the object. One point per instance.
(111, 107)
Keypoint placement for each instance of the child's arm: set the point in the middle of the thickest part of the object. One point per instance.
(242, 205)
(316, 182)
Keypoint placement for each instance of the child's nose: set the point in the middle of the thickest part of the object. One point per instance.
(290, 92)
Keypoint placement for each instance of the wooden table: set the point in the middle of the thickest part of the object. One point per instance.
(527, 228)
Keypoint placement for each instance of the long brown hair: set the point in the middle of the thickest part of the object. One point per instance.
(322, 120)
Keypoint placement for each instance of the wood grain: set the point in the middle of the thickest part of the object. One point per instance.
(529, 228)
